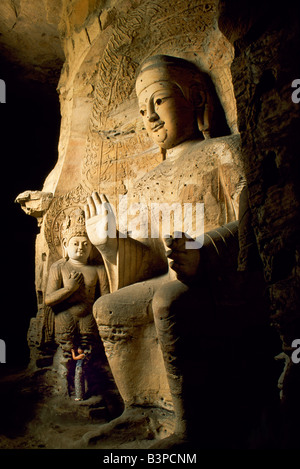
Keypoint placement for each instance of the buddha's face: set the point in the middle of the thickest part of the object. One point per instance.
(79, 248)
(168, 117)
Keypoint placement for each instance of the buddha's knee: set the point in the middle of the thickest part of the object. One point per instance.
(167, 299)
(127, 306)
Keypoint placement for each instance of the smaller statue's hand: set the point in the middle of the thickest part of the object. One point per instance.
(100, 219)
(74, 281)
(185, 262)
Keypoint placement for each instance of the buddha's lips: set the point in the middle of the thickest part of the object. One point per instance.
(157, 126)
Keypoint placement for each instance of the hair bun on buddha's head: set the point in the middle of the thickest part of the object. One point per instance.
(172, 69)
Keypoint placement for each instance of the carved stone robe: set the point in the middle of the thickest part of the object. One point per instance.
(207, 172)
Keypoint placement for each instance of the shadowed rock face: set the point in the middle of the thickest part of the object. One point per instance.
(264, 68)
(29, 38)
(32, 33)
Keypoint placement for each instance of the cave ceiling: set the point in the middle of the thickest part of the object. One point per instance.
(30, 44)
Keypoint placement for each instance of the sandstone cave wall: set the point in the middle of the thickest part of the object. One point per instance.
(103, 145)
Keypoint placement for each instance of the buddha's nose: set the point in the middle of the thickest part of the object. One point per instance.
(153, 117)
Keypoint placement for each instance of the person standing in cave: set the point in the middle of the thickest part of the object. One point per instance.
(79, 374)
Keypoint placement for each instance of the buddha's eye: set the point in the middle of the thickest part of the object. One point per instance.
(158, 101)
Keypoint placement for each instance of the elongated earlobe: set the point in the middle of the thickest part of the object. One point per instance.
(200, 100)
(64, 250)
(203, 121)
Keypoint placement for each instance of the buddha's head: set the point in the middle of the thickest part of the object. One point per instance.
(177, 101)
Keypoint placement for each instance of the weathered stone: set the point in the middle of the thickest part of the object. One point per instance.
(104, 147)
(35, 203)
(33, 24)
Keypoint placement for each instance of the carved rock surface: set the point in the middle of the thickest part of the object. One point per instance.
(103, 144)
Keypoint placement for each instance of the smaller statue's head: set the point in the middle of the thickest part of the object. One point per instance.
(75, 241)
(78, 248)
(178, 102)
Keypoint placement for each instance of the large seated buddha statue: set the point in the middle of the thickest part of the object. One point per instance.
(177, 307)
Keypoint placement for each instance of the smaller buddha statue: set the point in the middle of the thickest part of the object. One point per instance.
(74, 283)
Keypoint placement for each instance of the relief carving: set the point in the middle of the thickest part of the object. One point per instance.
(148, 29)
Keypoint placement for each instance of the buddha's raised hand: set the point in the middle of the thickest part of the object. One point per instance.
(100, 220)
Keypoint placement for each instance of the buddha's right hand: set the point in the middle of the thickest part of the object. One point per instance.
(100, 221)
(74, 281)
